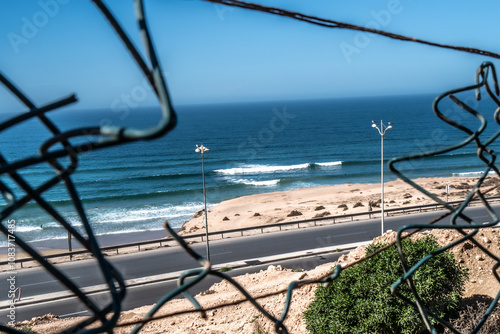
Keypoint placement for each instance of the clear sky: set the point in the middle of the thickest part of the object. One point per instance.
(212, 53)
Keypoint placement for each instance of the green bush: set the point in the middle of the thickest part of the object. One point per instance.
(360, 301)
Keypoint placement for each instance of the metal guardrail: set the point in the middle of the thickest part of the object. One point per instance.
(241, 231)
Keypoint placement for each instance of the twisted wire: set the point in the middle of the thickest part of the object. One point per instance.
(108, 315)
(472, 228)
(328, 23)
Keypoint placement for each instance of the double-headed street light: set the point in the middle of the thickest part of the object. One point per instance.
(202, 149)
(383, 128)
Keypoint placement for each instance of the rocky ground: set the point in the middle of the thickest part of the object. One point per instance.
(244, 318)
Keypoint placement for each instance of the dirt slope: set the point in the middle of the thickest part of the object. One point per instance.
(244, 318)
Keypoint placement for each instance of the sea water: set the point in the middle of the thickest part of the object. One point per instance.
(255, 147)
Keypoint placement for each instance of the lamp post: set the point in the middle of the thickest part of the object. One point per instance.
(202, 149)
(383, 128)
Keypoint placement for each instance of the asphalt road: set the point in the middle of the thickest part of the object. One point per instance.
(35, 281)
(150, 293)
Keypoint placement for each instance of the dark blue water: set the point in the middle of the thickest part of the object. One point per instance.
(254, 148)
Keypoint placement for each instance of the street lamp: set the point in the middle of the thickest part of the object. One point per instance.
(383, 128)
(202, 149)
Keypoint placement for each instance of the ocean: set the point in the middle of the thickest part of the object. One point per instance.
(254, 148)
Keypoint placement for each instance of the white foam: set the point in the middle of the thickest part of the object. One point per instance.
(130, 230)
(144, 214)
(21, 228)
(251, 182)
(466, 174)
(125, 219)
(167, 209)
(65, 236)
(327, 164)
(114, 221)
(302, 184)
(259, 169)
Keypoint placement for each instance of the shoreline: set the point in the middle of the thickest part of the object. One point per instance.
(274, 207)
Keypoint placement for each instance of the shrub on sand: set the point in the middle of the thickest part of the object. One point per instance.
(360, 301)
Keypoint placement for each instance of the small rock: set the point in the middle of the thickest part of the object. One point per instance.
(225, 218)
(467, 245)
(198, 213)
(480, 257)
(487, 240)
(275, 268)
(299, 276)
(472, 281)
(294, 213)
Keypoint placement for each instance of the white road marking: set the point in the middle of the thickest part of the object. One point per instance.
(221, 253)
(343, 235)
(46, 282)
(70, 314)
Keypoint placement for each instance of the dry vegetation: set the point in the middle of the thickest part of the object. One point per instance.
(243, 318)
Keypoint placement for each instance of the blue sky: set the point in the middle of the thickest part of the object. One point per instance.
(211, 53)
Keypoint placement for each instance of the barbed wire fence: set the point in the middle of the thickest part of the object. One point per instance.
(64, 162)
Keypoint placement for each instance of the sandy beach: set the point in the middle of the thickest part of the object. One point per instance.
(306, 203)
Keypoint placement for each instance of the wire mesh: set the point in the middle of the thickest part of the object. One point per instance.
(105, 318)
(105, 136)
